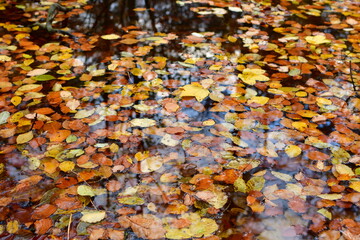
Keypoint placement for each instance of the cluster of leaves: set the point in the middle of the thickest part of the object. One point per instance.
(189, 148)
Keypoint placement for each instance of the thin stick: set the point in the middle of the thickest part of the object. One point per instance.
(68, 230)
(351, 78)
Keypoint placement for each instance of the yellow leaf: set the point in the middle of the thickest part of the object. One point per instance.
(355, 186)
(142, 122)
(12, 226)
(330, 196)
(137, 72)
(151, 164)
(306, 113)
(174, 233)
(344, 170)
(16, 100)
(67, 166)
(209, 122)
(316, 40)
(110, 36)
(255, 183)
(25, 137)
(215, 67)
(282, 176)
(323, 101)
(4, 58)
(169, 141)
(292, 151)
(84, 190)
(37, 72)
(325, 213)
(84, 113)
(194, 90)
(259, 100)
(132, 200)
(232, 39)
(301, 126)
(92, 216)
(250, 76)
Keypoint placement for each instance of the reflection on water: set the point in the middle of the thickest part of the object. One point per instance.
(222, 113)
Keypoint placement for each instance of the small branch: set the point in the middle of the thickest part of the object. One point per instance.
(52, 12)
(68, 230)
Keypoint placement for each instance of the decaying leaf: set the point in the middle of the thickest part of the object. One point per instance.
(92, 216)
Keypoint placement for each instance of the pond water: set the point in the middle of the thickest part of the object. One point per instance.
(187, 119)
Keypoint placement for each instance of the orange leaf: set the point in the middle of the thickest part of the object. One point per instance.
(59, 136)
(316, 155)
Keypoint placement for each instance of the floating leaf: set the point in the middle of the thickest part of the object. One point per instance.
(259, 100)
(84, 190)
(151, 164)
(316, 40)
(240, 185)
(255, 183)
(25, 137)
(194, 90)
(4, 117)
(43, 77)
(251, 75)
(110, 36)
(92, 216)
(292, 151)
(67, 166)
(133, 200)
(330, 196)
(355, 186)
(84, 113)
(169, 141)
(325, 213)
(142, 122)
(37, 72)
(12, 226)
(282, 176)
(4, 58)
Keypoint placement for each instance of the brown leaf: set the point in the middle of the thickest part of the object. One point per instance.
(68, 203)
(144, 226)
(42, 225)
(43, 211)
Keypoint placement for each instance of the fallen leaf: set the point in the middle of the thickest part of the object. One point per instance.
(110, 36)
(92, 216)
(292, 151)
(194, 90)
(143, 122)
(24, 138)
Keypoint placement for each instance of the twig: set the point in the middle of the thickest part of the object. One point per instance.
(68, 230)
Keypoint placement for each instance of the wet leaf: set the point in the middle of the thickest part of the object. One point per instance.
(355, 186)
(142, 122)
(144, 226)
(84, 113)
(92, 216)
(131, 200)
(251, 75)
(110, 36)
(194, 90)
(85, 190)
(282, 176)
(43, 77)
(4, 117)
(316, 40)
(24, 137)
(292, 151)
